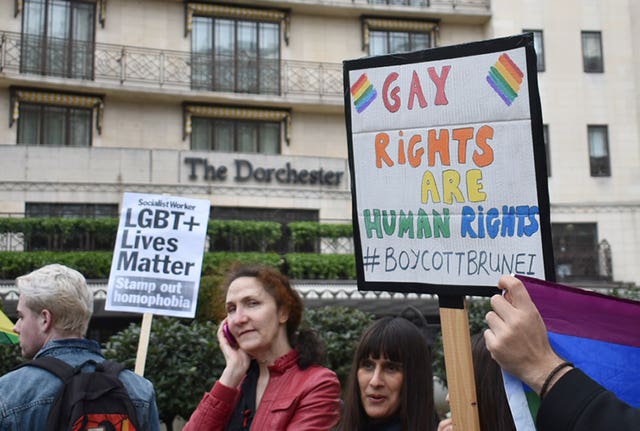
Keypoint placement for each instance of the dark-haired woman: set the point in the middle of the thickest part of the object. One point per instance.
(493, 407)
(390, 386)
(271, 380)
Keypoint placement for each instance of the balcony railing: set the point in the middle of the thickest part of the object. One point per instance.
(163, 69)
(450, 4)
(428, 3)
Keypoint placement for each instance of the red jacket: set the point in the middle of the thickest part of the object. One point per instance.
(295, 399)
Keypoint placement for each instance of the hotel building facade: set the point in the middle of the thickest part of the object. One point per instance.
(241, 103)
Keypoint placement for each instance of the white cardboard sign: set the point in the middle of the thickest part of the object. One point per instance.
(447, 162)
(157, 259)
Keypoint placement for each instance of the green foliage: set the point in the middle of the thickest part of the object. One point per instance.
(230, 235)
(104, 229)
(340, 328)
(630, 292)
(334, 231)
(97, 264)
(306, 233)
(260, 236)
(243, 235)
(212, 262)
(15, 225)
(92, 264)
(321, 266)
(182, 362)
(58, 229)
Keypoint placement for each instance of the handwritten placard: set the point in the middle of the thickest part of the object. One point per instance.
(448, 168)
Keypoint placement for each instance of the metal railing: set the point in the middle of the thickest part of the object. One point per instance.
(150, 68)
(427, 3)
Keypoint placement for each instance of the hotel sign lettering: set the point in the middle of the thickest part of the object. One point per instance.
(244, 171)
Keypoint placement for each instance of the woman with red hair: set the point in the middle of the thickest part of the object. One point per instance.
(272, 379)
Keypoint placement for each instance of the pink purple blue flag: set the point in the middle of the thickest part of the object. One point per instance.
(600, 334)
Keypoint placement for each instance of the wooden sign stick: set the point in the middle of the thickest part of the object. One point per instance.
(459, 365)
(143, 343)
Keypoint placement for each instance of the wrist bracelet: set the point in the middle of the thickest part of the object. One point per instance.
(552, 374)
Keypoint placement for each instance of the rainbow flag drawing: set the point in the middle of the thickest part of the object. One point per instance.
(363, 93)
(505, 77)
(598, 333)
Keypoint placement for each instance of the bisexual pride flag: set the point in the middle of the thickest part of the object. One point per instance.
(600, 334)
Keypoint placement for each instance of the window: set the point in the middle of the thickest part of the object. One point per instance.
(98, 240)
(233, 53)
(538, 45)
(68, 210)
(387, 42)
(385, 36)
(55, 119)
(599, 151)
(401, 2)
(235, 136)
(575, 249)
(58, 38)
(54, 126)
(592, 57)
(235, 130)
(547, 150)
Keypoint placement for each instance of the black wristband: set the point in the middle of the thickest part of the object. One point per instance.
(552, 374)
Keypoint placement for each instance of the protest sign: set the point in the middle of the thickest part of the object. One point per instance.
(449, 182)
(157, 257)
(448, 173)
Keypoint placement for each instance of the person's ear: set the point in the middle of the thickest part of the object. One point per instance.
(46, 319)
(283, 315)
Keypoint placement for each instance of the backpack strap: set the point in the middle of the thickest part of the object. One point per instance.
(55, 366)
(110, 367)
(65, 371)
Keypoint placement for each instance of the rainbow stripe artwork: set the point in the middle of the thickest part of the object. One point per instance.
(505, 78)
(363, 93)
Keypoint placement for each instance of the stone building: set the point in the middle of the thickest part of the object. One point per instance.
(241, 103)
